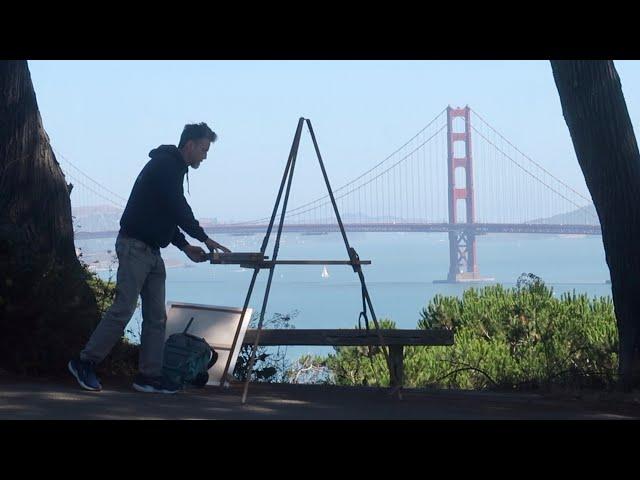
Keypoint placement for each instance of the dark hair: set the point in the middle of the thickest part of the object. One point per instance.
(196, 131)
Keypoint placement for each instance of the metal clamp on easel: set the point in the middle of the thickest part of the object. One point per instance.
(355, 259)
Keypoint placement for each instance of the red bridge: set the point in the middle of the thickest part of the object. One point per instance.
(435, 182)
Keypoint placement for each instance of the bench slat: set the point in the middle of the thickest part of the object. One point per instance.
(349, 337)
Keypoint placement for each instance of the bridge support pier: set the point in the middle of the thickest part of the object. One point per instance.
(463, 265)
(462, 262)
(462, 252)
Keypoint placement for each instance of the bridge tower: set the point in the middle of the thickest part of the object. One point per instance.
(463, 265)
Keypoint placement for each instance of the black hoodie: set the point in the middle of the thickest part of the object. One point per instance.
(156, 206)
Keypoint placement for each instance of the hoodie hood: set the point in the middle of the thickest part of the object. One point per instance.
(168, 151)
(171, 151)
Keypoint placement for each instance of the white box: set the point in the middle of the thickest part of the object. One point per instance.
(216, 324)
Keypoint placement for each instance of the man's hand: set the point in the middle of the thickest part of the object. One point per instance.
(213, 246)
(195, 254)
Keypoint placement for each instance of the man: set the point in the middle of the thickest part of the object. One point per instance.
(155, 209)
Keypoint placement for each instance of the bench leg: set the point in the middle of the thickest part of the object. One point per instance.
(396, 354)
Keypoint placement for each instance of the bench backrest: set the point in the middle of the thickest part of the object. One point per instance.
(349, 337)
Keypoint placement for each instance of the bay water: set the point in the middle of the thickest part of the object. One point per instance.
(400, 279)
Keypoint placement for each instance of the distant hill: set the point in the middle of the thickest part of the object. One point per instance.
(581, 216)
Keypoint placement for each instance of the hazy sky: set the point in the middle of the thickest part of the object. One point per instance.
(105, 116)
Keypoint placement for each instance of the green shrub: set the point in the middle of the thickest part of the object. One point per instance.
(271, 364)
(518, 338)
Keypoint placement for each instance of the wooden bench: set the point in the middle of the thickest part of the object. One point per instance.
(394, 339)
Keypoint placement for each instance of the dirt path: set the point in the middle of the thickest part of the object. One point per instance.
(49, 399)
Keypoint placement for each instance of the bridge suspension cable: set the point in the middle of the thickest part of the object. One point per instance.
(527, 171)
(410, 184)
(527, 157)
(296, 211)
(120, 200)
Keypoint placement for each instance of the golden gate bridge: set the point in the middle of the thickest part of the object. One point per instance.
(458, 174)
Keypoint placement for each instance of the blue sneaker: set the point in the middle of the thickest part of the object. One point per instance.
(146, 384)
(85, 374)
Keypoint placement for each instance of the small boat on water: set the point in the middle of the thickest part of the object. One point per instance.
(325, 273)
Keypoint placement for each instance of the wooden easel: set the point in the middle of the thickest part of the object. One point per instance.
(258, 261)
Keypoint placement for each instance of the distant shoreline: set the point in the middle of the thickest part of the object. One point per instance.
(102, 265)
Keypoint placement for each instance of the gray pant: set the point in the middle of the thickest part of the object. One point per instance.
(141, 272)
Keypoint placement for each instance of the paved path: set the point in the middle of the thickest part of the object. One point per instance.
(59, 399)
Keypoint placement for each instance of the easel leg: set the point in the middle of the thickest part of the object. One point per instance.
(255, 344)
(225, 372)
(350, 251)
(288, 173)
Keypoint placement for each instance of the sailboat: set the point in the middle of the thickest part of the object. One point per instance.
(325, 273)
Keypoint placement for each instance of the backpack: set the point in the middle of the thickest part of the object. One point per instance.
(188, 358)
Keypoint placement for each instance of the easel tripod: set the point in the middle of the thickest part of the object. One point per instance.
(259, 261)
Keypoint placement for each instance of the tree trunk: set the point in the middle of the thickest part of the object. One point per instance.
(47, 310)
(596, 114)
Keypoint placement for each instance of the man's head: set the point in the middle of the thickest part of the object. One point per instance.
(194, 143)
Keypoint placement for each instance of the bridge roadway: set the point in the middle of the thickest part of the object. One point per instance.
(476, 228)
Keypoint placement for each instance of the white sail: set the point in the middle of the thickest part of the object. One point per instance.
(325, 273)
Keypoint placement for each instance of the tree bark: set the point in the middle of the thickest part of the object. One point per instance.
(47, 309)
(596, 113)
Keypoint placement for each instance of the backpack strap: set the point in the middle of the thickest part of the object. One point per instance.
(188, 325)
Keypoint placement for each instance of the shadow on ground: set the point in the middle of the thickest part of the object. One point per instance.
(22, 398)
